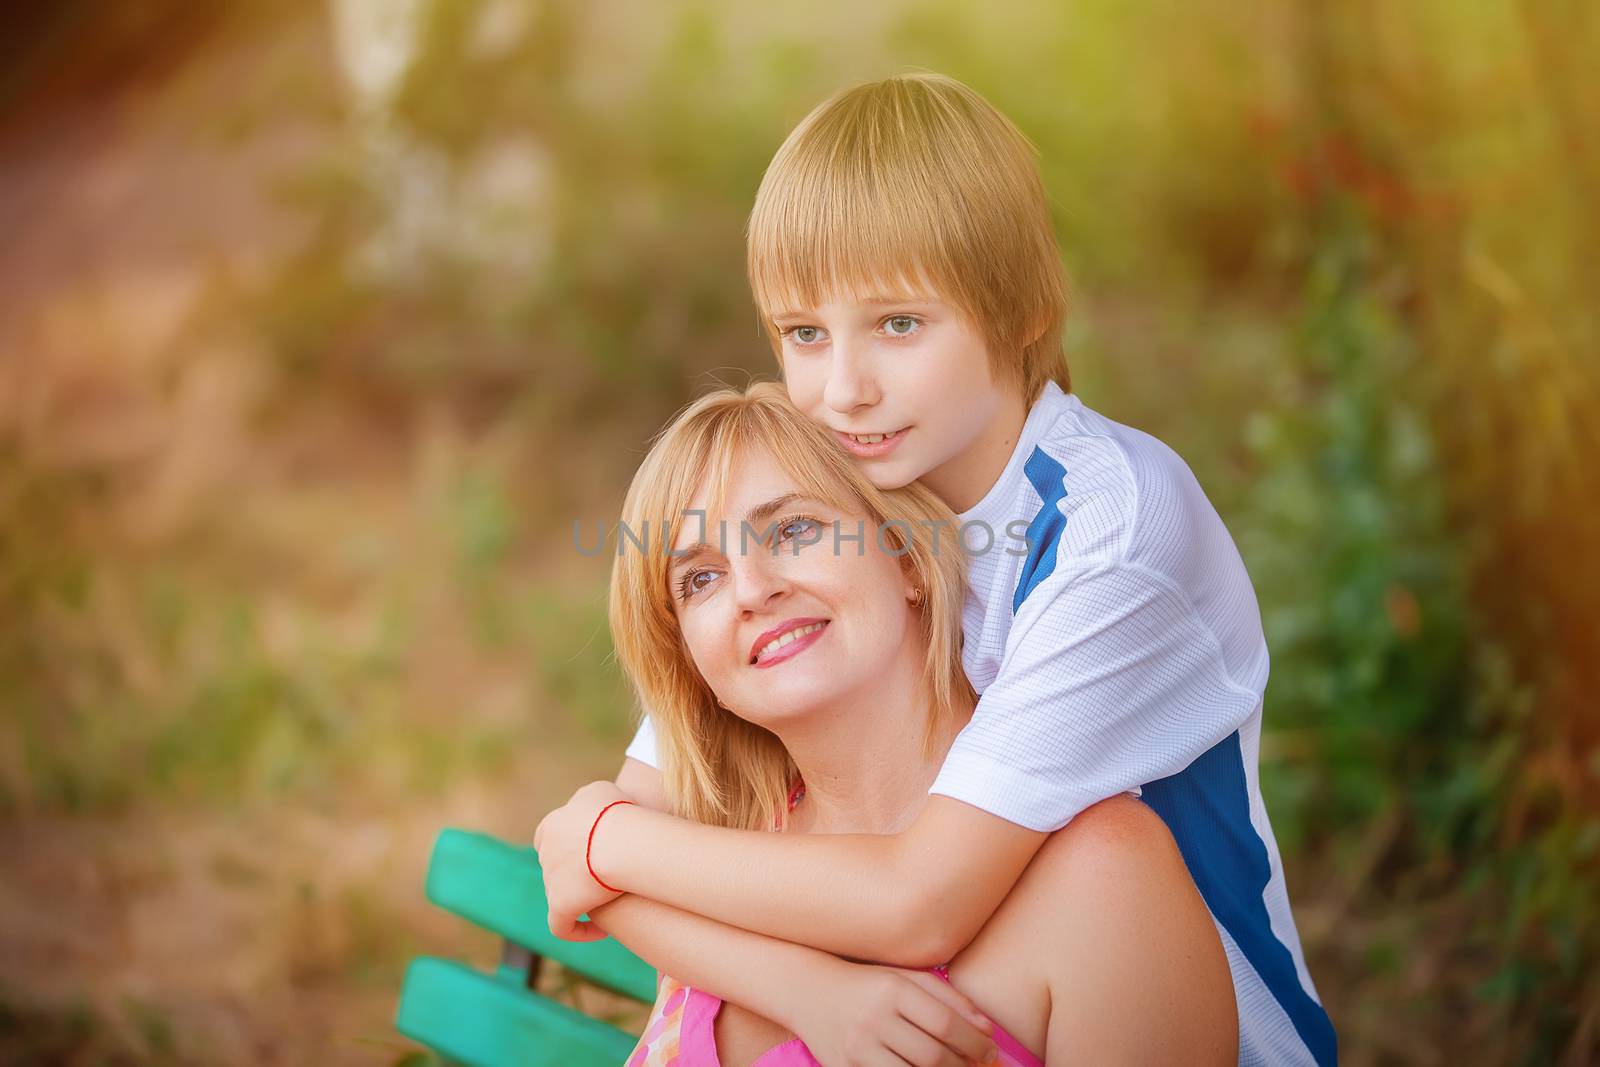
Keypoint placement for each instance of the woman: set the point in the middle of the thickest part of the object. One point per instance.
(798, 648)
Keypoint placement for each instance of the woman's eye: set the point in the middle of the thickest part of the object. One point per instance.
(801, 527)
(900, 325)
(690, 583)
(806, 335)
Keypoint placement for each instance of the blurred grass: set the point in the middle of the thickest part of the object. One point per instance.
(308, 534)
(139, 1033)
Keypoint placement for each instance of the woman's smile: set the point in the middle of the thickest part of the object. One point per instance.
(786, 640)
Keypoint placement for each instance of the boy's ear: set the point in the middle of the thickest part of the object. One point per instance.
(1036, 330)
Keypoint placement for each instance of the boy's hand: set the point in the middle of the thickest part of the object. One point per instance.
(863, 1014)
(562, 840)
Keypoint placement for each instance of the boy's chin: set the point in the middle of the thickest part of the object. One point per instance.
(893, 475)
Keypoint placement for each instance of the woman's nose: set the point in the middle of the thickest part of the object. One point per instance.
(757, 581)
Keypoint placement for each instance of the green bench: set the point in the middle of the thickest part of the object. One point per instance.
(497, 1019)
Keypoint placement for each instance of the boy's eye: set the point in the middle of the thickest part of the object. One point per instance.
(900, 325)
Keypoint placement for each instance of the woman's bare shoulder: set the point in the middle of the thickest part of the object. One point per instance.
(1106, 912)
(1119, 840)
(1116, 857)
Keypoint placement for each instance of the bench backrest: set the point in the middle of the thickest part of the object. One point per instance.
(493, 1019)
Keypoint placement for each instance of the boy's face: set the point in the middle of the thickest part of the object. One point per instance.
(904, 384)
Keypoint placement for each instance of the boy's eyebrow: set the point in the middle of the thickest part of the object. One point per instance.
(876, 300)
(897, 298)
(754, 517)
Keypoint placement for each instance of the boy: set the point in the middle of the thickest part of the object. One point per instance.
(902, 259)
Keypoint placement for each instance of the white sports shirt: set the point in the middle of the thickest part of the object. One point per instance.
(1118, 647)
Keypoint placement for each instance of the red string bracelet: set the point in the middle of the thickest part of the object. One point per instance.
(590, 846)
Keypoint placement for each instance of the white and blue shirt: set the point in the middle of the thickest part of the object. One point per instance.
(1120, 650)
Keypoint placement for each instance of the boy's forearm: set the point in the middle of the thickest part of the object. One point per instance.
(762, 974)
(883, 941)
(643, 783)
(911, 899)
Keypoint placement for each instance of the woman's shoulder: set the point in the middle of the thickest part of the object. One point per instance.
(1110, 880)
(1107, 899)
(1117, 841)
(1116, 858)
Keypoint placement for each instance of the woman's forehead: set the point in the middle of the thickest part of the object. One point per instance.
(731, 493)
(745, 479)
(754, 488)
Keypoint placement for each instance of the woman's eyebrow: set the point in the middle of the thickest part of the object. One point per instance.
(681, 558)
(766, 510)
(752, 518)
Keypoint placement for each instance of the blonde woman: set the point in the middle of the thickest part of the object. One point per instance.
(795, 634)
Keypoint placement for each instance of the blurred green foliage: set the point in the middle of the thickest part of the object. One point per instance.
(1337, 256)
(77, 1034)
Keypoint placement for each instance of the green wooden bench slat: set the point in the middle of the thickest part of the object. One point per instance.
(500, 887)
(482, 1021)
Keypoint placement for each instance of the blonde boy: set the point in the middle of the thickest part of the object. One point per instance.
(903, 261)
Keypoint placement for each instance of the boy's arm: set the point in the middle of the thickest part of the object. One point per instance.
(845, 1012)
(912, 899)
(909, 938)
(834, 1006)
(642, 783)
(1109, 680)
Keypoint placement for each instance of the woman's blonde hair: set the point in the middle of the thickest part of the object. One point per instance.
(718, 768)
(915, 180)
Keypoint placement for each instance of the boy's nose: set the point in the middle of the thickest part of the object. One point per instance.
(851, 385)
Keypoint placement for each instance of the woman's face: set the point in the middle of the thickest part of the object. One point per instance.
(789, 617)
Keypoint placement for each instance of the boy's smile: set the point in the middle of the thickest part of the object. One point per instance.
(906, 387)
(871, 445)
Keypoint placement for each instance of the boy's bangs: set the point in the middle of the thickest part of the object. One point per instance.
(914, 187)
(887, 190)
(809, 249)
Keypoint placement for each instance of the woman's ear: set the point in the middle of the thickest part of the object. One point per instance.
(915, 596)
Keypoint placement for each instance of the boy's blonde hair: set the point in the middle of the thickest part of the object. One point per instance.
(718, 768)
(915, 180)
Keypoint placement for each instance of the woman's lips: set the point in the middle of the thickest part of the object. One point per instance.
(875, 450)
(793, 648)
